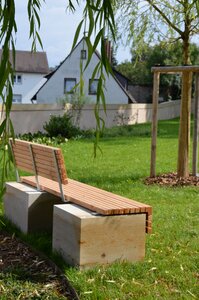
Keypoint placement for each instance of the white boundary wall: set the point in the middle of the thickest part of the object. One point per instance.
(31, 117)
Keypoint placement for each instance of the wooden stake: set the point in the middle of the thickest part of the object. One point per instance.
(156, 80)
(196, 127)
(184, 131)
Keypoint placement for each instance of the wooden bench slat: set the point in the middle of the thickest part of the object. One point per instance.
(22, 143)
(96, 201)
(25, 149)
(20, 146)
(40, 157)
(52, 177)
(22, 155)
(52, 187)
(77, 199)
(50, 172)
(72, 190)
(44, 157)
(59, 159)
(21, 161)
(25, 168)
(121, 199)
(46, 147)
(26, 152)
(44, 154)
(83, 197)
(129, 207)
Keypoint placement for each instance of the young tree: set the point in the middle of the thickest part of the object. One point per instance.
(100, 19)
(171, 20)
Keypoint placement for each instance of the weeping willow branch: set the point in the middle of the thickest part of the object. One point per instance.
(7, 66)
(100, 17)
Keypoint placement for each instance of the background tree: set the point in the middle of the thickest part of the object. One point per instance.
(100, 20)
(171, 20)
(138, 70)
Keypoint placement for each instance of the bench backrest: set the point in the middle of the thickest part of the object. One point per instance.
(39, 159)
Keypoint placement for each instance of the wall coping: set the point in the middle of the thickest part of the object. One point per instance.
(59, 107)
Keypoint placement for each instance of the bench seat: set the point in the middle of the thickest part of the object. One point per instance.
(92, 198)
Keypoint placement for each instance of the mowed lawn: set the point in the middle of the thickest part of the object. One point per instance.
(171, 266)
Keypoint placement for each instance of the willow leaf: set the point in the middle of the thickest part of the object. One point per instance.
(12, 132)
(99, 36)
(90, 51)
(95, 71)
(91, 21)
(39, 40)
(2, 126)
(77, 33)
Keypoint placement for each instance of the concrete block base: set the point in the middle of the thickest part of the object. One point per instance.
(30, 210)
(85, 239)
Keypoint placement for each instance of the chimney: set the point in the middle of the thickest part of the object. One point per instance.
(108, 49)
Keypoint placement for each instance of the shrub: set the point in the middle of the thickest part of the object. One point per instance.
(41, 138)
(61, 126)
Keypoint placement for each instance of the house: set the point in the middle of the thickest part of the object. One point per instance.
(30, 69)
(64, 78)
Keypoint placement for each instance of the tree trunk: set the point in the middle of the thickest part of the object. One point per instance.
(156, 84)
(196, 128)
(184, 131)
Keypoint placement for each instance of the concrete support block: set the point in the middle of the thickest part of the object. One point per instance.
(30, 210)
(85, 239)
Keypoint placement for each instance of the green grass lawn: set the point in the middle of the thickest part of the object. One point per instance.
(171, 266)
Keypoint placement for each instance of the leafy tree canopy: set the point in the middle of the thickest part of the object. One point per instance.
(138, 70)
(151, 21)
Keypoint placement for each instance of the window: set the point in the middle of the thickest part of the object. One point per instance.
(17, 79)
(93, 86)
(83, 54)
(17, 98)
(69, 84)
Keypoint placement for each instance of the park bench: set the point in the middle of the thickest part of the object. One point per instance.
(49, 175)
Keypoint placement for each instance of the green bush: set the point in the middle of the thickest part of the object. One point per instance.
(42, 138)
(61, 126)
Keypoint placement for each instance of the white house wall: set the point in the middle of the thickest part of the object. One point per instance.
(53, 90)
(29, 81)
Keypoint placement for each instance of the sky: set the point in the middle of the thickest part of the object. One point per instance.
(57, 30)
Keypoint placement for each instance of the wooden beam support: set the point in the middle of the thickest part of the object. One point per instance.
(184, 131)
(175, 69)
(196, 128)
(156, 81)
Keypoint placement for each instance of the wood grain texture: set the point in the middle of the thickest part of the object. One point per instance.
(46, 159)
(97, 239)
(97, 200)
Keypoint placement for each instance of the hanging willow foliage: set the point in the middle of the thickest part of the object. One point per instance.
(100, 19)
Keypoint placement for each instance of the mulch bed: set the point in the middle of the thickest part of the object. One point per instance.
(15, 253)
(171, 179)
